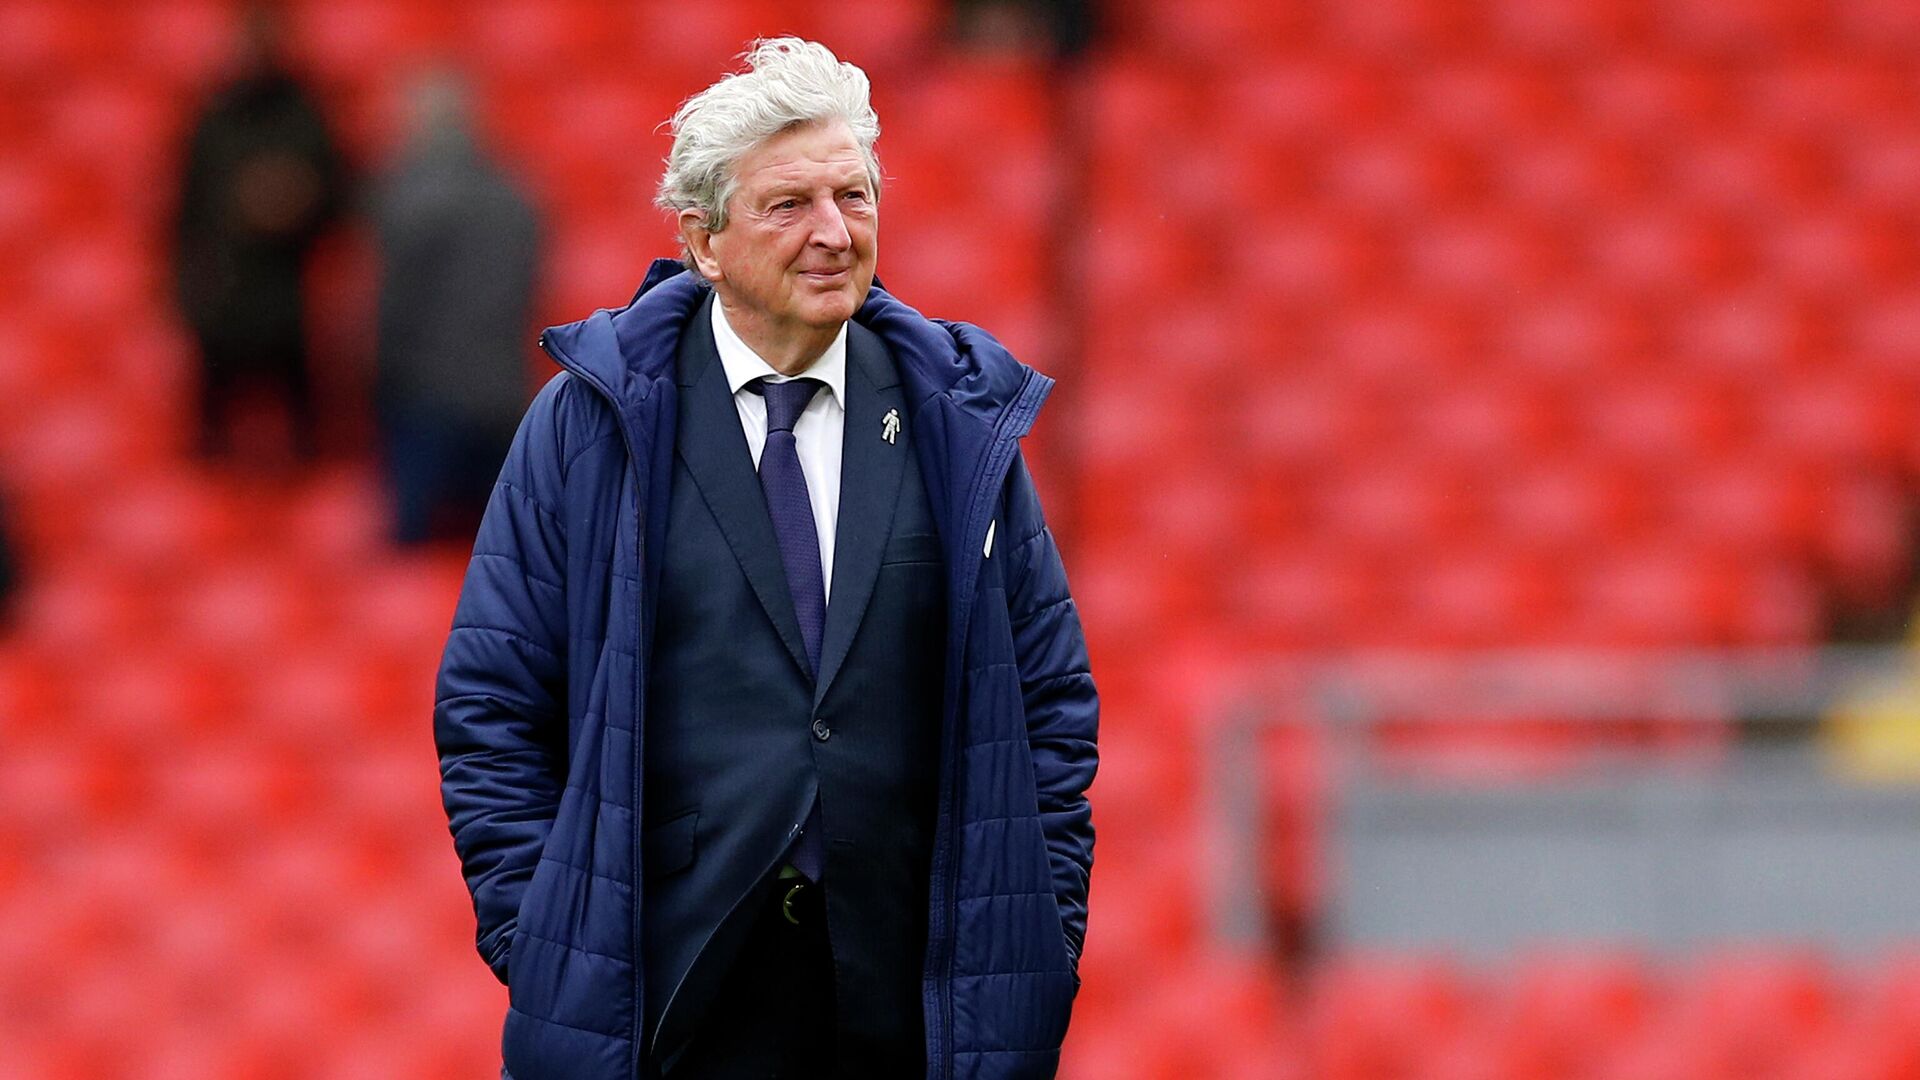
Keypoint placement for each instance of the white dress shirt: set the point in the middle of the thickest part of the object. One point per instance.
(818, 435)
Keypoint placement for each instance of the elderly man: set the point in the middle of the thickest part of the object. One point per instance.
(765, 723)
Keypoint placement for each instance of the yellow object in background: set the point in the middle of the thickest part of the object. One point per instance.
(1874, 734)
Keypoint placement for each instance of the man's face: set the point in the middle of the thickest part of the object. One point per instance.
(798, 250)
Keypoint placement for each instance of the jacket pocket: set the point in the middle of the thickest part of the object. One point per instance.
(668, 848)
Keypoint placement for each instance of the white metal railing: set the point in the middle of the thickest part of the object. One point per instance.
(1348, 697)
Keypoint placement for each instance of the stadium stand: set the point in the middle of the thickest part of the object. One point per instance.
(1552, 323)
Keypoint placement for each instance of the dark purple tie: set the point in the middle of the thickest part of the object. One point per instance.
(785, 487)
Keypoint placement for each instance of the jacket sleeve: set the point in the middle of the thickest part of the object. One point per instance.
(499, 717)
(1063, 710)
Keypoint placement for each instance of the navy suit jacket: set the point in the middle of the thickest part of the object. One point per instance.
(732, 759)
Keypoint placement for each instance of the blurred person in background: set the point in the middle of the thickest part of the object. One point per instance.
(828, 829)
(263, 181)
(9, 571)
(1068, 26)
(458, 247)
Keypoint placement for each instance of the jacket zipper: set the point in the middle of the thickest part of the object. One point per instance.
(993, 473)
(638, 1020)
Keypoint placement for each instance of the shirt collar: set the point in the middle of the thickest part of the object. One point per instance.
(743, 365)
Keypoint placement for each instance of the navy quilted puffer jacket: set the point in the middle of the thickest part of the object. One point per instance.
(541, 703)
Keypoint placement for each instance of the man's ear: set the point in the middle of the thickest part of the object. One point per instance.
(693, 232)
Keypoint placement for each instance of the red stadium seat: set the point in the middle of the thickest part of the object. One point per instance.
(167, 519)
(1882, 330)
(1376, 1015)
(885, 37)
(1555, 29)
(362, 41)
(1887, 1010)
(1749, 505)
(1477, 257)
(1211, 1015)
(1873, 161)
(1775, 603)
(1568, 334)
(1485, 102)
(336, 519)
(512, 37)
(1134, 593)
(1564, 1010)
(1863, 542)
(1569, 506)
(99, 269)
(1647, 596)
(1657, 420)
(1650, 95)
(404, 606)
(1752, 335)
(182, 42)
(1670, 1051)
(1208, 31)
(44, 39)
(1305, 595)
(1838, 418)
(593, 269)
(1654, 252)
(1296, 101)
(1851, 1054)
(1306, 257)
(74, 608)
(1389, 29)
(1479, 598)
(1752, 1006)
(107, 121)
(156, 691)
(699, 39)
(239, 605)
(1490, 423)
(1401, 341)
(57, 791)
(1713, 27)
(1127, 258)
(1404, 175)
(1834, 253)
(1878, 24)
(29, 195)
(1567, 174)
(1744, 172)
(230, 781)
(1377, 503)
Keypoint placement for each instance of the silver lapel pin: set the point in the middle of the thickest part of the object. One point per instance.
(890, 425)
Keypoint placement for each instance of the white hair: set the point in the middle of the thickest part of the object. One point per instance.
(787, 83)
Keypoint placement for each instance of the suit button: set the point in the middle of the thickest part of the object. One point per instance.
(821, 730)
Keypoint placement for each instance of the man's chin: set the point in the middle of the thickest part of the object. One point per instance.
(834, 308)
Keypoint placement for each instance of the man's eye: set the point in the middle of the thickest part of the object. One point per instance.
(856, 196)
(786, 204)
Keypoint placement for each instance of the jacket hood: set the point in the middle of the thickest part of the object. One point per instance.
(625, 352)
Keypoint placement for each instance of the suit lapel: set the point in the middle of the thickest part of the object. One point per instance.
(715, 451)
(870, 470)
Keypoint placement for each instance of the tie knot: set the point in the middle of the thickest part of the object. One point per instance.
(785, 400)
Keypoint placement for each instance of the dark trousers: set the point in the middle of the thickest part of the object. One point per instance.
(228, 368)
(440, 470)
(773, 1016)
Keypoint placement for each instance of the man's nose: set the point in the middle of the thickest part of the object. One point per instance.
(830, 226)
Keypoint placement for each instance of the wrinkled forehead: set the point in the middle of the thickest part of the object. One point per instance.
(815, 153)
